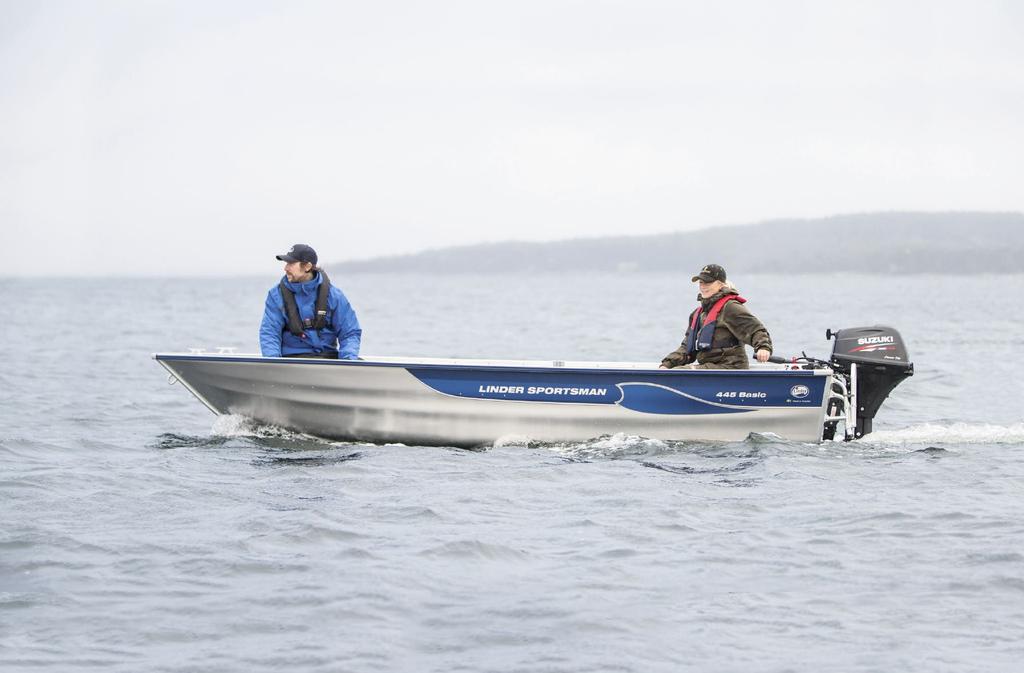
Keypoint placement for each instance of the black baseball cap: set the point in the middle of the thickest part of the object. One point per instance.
(300, 252)
(710, 273)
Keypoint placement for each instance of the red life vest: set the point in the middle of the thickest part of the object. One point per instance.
(701, 339)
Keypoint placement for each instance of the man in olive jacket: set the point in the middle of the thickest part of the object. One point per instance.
(718, 330)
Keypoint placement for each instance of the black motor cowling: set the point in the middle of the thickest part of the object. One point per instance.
(882, 363)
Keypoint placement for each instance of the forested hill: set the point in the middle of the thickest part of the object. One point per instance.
(894, 242)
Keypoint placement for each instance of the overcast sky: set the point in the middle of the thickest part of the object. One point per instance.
(151, 137)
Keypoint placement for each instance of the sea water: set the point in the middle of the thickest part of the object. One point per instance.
(140, 533)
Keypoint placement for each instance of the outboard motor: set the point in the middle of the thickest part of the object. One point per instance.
(874, 361)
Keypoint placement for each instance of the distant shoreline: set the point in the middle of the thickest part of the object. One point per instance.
(892, 243)
(878, 243)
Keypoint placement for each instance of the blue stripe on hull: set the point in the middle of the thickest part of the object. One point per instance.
(651, 399)
(684, 393)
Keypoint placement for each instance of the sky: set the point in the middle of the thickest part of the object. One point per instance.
(150, 137)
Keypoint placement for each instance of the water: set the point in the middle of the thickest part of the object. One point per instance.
(138, 532)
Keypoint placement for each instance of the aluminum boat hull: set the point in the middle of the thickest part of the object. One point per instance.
(476, 402)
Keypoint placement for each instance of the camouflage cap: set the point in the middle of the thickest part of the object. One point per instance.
(710, 273)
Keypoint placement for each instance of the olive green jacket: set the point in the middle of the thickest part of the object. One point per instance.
(736, 326)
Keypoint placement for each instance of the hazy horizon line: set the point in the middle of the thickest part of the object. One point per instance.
(533, 273)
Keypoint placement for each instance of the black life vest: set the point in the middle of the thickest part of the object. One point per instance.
(701, 337)
(296, 325)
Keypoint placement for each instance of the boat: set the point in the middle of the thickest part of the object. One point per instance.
(473, 402)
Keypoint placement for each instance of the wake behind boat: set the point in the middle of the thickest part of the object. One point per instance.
(463, 402)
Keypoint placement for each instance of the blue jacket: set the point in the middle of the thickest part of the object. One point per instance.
(342, 332)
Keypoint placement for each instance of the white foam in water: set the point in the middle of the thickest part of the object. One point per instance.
(237, 426)
(233, 425)
(953, 433)
(621, 440)
(619, 444)
(511, 440)
(614, 442)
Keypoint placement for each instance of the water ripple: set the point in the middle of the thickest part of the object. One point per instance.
(138, 532)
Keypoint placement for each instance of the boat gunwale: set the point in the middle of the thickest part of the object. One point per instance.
(459, 363)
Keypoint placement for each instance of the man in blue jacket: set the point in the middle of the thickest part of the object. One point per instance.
(306, 316)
